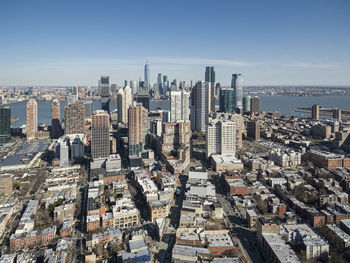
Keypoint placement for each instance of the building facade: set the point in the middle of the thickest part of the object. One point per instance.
(237, 86)
(74, 119)
(32, 119)
(199, 107)
(137, 129)
(179, 106)
(100, 135)
(5, 124)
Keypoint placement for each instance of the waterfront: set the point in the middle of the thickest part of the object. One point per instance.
(284, 104)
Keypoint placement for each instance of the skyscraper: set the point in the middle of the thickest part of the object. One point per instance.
(221, 137)
(255, 104)
(133, 86)
(32, 119)
(253, 130)
(226, 100)
(137, 128)
(76, 92)
(100, 135)
(159, 79)
(104, 89)
(236, 84)
(165, 84)
(124, 99)
(210, 85)
(179, 106)
(147, 79)
(88, 108)
(56, 119)
(74, 119)
(5, 124)
(315, 112)
(247, 104)
(199, 107)
(64, 153)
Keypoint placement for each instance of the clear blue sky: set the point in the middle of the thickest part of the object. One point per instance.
(296, 42)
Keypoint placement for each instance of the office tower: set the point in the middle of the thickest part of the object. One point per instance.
(76, 92)
(30, 91)
(133, 86)
(147, 72)
(64, 153)
(104, 89)
(217, 89)
(137, 128)
(182, 85)
(255, 104)
(199, 107)
(159, 79)
(114, 87)
(236, 84)
(56, 118)
(70, 99)
(100, 135)
(253, 130)
(88, 108)
(337, 114)
(226, 100)
(74, 119)
(210, 85)
(32, 119)
(179, 106)
(5, 124)
(165, 84)
(315, 112)
(247, 104)
(124, 99)
(221, 137)
(77, 150)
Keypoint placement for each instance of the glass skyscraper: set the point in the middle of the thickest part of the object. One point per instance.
(237, 86)
(226, 100)
(147, 73)
(5, 124)
(104, 89)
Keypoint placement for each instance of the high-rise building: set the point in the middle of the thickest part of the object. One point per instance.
(147, 79)
(165, 84)
(133, 86)
(74, 119)
(159, 80)
(255, 104)
(5, 124)
(337, 114)
(175, 135)
(137, 129)
(253, 130)
(56, 119)
(104, 89)
(199, 107)
(88, 108)
(221, 137)
(64, 153)
(237, 86)
(246, 104)
(210, 86)
(179, 106)
(315, 112)
(124, 99)
(32, 119)
(226, 100)
(100, 135)
(76, 92)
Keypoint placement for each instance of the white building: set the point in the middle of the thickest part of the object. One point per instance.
(285, 158)
(221, 138)
(124, 99)
(179, 106)
(64, 153)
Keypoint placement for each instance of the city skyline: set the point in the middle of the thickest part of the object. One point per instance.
(270, 43)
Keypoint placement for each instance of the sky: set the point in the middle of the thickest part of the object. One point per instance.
(270, 42)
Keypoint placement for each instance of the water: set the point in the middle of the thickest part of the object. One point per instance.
(18, 109)
(288, 104)
(284, 104)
